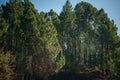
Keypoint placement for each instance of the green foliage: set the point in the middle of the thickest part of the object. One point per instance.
(117, 62)
(112, 67)
(54, 18)
(67, 17)
(3, 31)
(3, 26)
(44, 60)
(47, 42)
(7, 66)
(60, 62)
(68, 26)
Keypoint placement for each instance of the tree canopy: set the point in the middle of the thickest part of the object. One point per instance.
(35, 46)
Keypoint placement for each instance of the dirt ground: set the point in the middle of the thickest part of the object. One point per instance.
(87, 75)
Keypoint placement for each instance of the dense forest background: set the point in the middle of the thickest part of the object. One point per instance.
(36, 46)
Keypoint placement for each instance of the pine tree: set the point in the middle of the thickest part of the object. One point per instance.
(68, 26)
(3, 31)
(85, 13)
(37, 45)
(48, 50)
(55, 20)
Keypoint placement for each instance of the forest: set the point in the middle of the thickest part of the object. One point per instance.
(80, 43)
